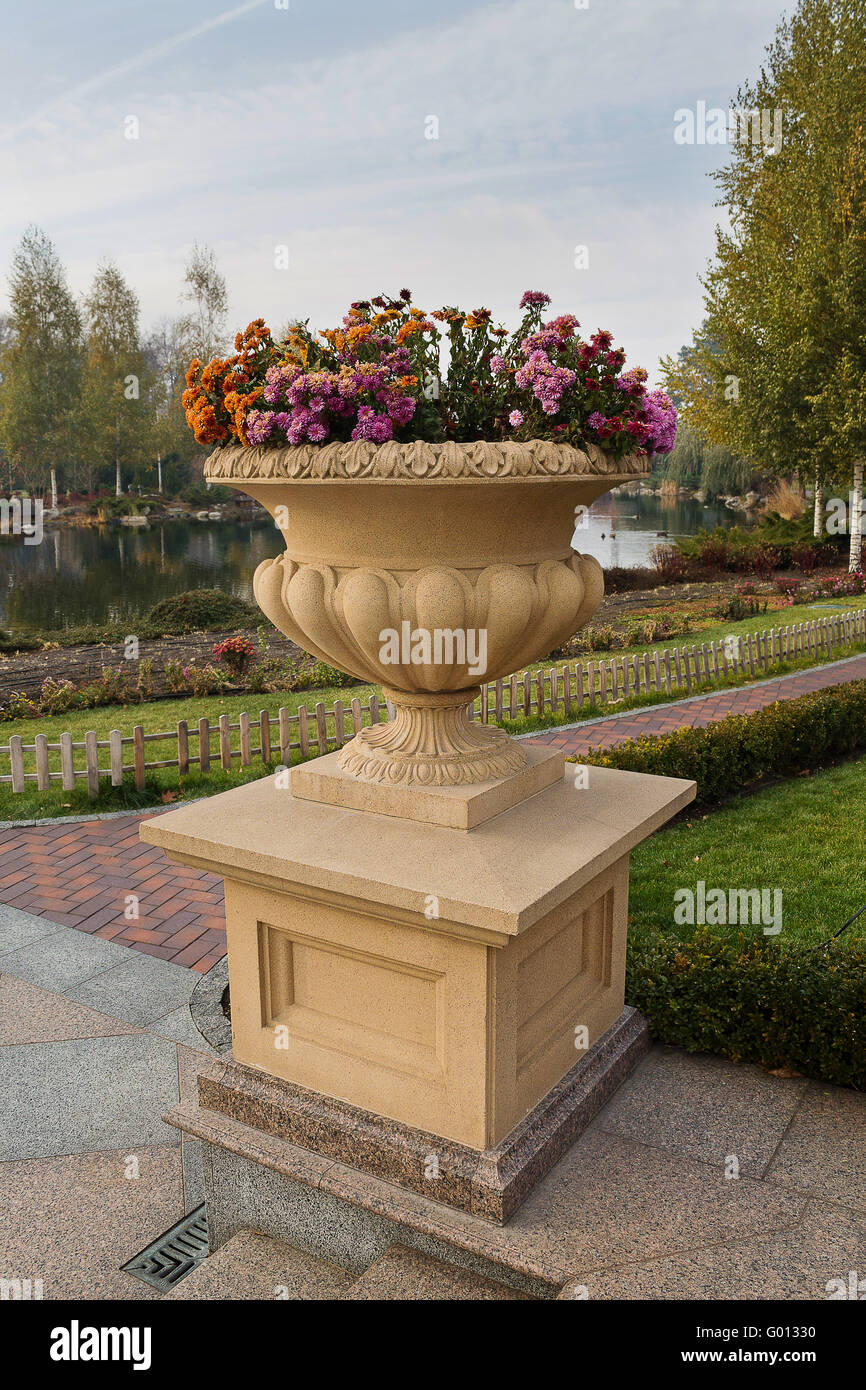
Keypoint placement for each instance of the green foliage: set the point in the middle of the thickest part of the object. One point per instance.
(11, 642)
(41, 363)
(755, 1000)
(739, 606)
(710, 467)
(776, 371)
(198, 610)
(781, 740)
(321, 674)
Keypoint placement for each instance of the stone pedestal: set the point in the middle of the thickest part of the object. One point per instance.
(438, 987)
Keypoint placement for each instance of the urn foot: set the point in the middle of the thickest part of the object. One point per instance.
(431, 741)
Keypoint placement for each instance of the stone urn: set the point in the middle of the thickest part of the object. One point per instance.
(428, 568)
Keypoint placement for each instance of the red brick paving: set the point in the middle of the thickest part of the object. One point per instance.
(79, 874)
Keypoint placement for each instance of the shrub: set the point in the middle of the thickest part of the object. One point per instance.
(764, 559)
(194, 680)
(669, 563)
(713, 551)
(237, 653)
(321, 674)
(619, 580)
(740, 605)
(202, 609)
(787, 737)
(755, 1000)
(19, 706)
(11, 642)
(56, 697)
(804, 558)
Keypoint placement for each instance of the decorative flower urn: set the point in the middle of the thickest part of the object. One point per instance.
(428, 568)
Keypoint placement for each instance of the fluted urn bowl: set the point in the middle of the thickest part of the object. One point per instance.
(429, 568)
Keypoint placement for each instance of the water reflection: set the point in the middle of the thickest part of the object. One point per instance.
(99, 574)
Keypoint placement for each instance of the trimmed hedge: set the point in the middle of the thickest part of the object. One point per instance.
(754, 1001)
(781, 740)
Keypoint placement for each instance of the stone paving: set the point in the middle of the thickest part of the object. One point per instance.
(699, 1179)
(95, 1045)
(80, 874)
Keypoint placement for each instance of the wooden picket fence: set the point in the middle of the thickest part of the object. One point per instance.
(561, 690)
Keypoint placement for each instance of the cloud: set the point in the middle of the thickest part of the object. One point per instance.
(72, 96)
(555, 129)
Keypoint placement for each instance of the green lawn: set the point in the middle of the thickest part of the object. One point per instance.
(159, 716)
(716, 629)
(162, 716)
(804, 836)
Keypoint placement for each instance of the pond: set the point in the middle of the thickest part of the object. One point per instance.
(98, 574)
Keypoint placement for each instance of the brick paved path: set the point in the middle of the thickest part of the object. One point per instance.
(79, 874)
(699, 710)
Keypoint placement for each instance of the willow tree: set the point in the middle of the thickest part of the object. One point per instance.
(785, 383)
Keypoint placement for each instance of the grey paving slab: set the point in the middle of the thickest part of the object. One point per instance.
(824, 1150)
(611, 1200)
(405, 1275)
(73, 1221)
(252, 1266)
(86, 1095)
(31, 1014)
(64, 959)
(19, 929)
(704, 1108)
(814, 1262)
(138, 988)
(179, 1025)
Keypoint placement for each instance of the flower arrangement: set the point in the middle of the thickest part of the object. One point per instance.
(377, 377)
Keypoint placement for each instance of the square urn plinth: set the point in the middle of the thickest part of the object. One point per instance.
(441, 979)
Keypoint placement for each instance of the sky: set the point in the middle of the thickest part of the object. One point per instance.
(328, 150)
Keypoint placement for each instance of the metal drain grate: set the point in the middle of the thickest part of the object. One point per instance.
(174, 1254)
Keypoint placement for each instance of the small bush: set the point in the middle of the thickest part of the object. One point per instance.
(713, 551)
(754, 1000)
(11, 642)
(619, 580)
(763, 559)
(669, 563)
(200, 610)
(787, 737)
(236, 653)
(321, 674)
(804, 558)
(56, 697)
(742, 604)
